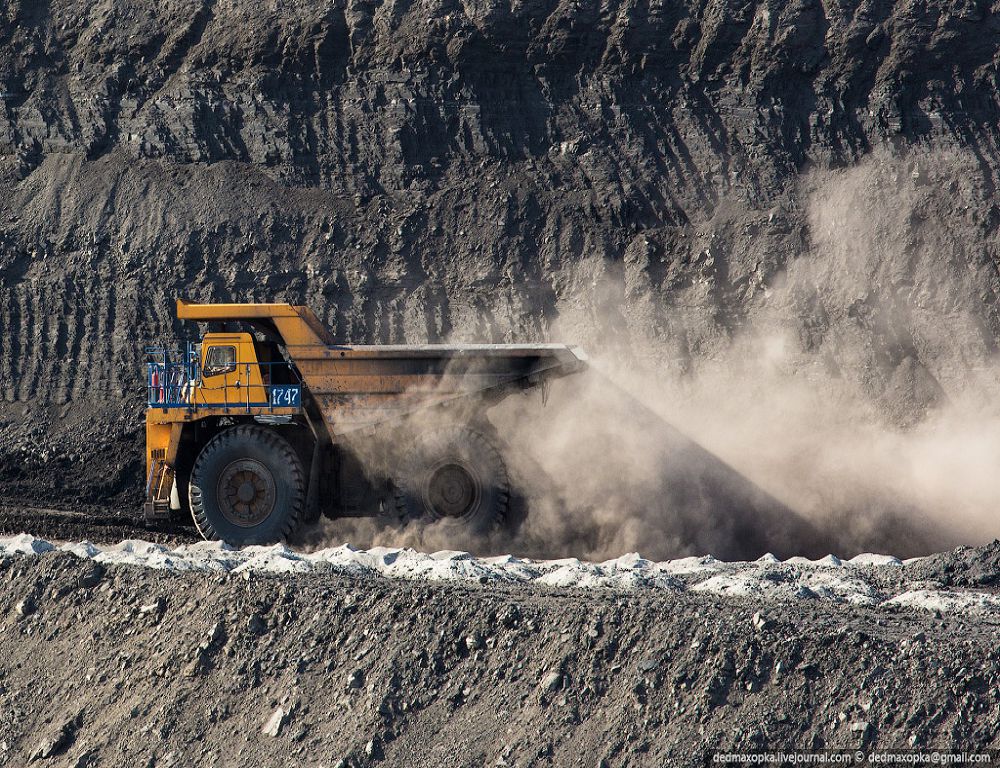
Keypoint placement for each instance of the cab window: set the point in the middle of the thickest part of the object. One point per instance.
(220, 360)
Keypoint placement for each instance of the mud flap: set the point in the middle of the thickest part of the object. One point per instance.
(311, 514)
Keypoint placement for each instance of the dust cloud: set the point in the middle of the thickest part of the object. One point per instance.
(856, 409)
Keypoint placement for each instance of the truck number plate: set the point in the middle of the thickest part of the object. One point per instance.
(286, 396)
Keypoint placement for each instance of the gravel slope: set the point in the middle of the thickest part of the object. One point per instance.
(113, 664)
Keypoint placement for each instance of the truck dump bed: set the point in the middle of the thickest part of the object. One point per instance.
(357, 386)
(360, 386)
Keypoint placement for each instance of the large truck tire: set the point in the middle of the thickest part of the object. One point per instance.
(247, 487)
(453, 476)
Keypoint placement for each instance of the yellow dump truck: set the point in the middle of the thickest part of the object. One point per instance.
(267, 423)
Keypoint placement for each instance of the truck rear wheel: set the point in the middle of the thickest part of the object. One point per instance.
(247, 487)
(455, 476)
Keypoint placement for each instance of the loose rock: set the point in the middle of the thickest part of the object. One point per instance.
(275, 722)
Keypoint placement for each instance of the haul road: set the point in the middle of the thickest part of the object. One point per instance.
(267, 424)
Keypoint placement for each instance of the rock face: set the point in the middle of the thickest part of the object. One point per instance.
(641, 176)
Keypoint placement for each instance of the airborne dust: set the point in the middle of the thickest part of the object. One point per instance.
(855, 409)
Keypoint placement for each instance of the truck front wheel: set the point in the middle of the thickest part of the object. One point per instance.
(247, 487)
(454, 476)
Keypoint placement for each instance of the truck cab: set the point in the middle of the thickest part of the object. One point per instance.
(231, 372)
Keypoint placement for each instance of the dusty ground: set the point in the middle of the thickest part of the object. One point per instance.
(99, 524)
(125, 665)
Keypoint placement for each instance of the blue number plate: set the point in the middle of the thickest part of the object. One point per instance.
(286, 396)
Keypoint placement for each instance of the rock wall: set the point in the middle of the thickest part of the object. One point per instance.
(636, 175)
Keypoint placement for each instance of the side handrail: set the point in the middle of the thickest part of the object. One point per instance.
(177, 385)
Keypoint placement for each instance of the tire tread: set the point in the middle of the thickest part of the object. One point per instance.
(222, 441)
(403, 494)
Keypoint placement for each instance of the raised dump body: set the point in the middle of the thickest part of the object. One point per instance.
(268, 423)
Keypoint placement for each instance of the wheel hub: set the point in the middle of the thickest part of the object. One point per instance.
(452, 491)
(246, 493)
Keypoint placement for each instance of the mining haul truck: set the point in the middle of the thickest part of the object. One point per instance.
(268, 423)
